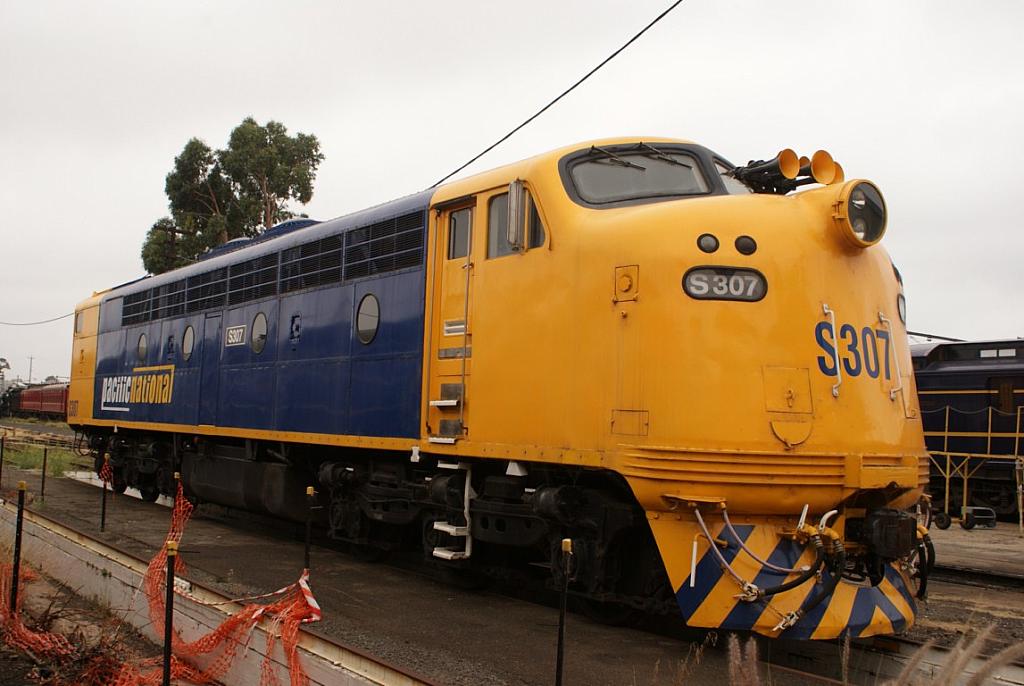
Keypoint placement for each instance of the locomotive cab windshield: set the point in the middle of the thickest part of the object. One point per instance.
(638, 173)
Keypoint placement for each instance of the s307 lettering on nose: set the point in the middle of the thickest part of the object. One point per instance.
(859, 351)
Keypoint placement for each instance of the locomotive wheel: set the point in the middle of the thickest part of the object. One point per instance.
(942, 520)
(149, 493)
(968, 521)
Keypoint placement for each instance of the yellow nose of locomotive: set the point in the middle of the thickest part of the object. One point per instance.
(763, 372)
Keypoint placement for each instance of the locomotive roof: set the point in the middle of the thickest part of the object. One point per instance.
(260, 246)
(257, 248)
(970, 356)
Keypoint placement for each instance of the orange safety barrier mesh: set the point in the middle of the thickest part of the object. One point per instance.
(294, 606)
(13, 630)
(106, 472)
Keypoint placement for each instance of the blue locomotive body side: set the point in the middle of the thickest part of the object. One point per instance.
(201, 362)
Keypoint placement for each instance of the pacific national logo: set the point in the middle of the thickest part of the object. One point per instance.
(145, 385)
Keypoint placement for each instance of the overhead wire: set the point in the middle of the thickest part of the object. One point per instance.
(501, 140)
(44, 321)
(564, 93)
(935, 337)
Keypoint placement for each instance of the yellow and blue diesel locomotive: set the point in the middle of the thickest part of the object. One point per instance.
(698, 375)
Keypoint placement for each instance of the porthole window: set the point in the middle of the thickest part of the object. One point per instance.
(367, 318)
(259, 333)
(143, 347)
(188, 342)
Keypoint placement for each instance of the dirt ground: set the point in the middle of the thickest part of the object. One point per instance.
(999, 550)
(15, 668)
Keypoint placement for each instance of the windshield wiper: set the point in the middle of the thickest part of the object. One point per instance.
(616, 159)
(654, 152)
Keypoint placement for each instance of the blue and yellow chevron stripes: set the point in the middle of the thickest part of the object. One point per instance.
(713, 599)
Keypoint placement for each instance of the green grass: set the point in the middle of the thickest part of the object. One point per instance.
(58, 460)
(40, 421)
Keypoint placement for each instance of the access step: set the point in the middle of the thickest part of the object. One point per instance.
(451, 529)
(445, 403)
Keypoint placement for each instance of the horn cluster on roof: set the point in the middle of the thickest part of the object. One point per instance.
(786, 172)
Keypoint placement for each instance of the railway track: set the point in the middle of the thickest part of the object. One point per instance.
(963, 576)
(18, 438)
(22, 435)
(880, 661)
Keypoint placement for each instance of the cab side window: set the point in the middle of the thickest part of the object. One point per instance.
(458, 233)
(497, 226)
(497, 223)
(534, 228)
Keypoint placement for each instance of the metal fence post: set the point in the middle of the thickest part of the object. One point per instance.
(17, 547)
(103, 489)
(310, 503)
(566, 561)
(42, 484)
(172, 555)
(3, 444)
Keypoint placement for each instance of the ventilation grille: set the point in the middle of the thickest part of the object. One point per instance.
(207, 290)
(385, 246)
(168, 300)
(252, 279)
(375, 249)
(316, 263)
(135, 309)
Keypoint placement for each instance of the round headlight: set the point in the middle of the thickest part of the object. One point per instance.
(861, 213)
(901, 307)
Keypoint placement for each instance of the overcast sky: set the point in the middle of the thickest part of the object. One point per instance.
(97, 98)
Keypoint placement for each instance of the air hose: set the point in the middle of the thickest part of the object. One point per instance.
(837, 563)
(926, 563)
(805, 575)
